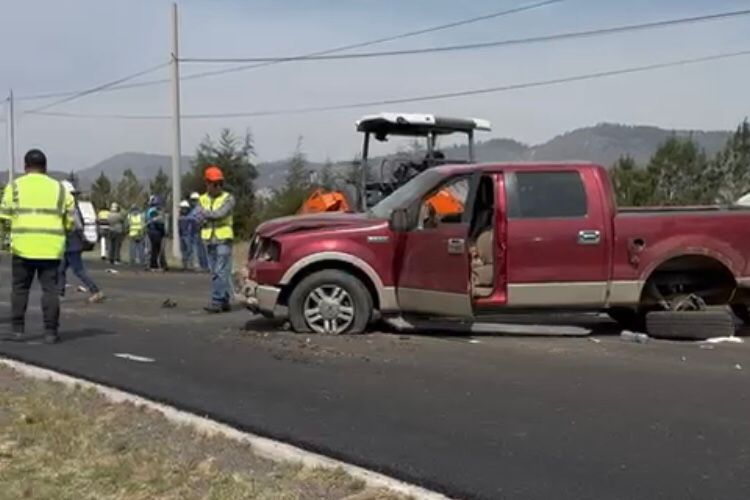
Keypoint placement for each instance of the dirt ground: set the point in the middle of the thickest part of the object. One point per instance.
(63, 443)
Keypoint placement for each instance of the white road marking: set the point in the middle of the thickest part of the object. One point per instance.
(133, 357)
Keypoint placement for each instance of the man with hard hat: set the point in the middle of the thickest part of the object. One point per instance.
(136, 231)
(187, 229)
(40, 213)
(199, 247)
(73, 256)
(217, 234)
(116, 233)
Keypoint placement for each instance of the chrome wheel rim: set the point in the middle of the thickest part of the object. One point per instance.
(329, 309)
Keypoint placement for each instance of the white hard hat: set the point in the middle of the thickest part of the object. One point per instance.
(69, 187)
(114, 207)
(184, 204)
(194, 196)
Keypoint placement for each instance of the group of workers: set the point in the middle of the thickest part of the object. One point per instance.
(47, 237)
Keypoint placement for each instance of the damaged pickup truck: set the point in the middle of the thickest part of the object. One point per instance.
(525, 237)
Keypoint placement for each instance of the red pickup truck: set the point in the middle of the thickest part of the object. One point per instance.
(534, 236)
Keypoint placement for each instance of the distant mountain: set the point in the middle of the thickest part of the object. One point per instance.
(144, 166)
(603, 143)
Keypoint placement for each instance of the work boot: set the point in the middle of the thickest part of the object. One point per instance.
(51, 338)
(97, 298)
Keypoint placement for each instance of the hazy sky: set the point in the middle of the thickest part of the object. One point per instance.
(60, 45)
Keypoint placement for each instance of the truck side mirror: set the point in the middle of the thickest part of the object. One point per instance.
(399, 221)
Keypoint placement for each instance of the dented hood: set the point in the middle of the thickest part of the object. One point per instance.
(312, 222)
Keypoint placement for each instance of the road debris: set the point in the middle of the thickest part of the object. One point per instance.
(169, 304)
(639, 338)
(595, 340)
(113, 271)
(738, 366)
(133, 357)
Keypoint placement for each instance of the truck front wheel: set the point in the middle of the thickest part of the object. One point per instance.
(330, 302)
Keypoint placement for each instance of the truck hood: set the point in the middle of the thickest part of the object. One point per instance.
(312, 222)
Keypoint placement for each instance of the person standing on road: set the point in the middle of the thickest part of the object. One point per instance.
(40, 212)
(136, 231)
(199, 246)
(102, 219)
(156, 230)
(116, 233)
(217, 234)
(187, 229)
(73, 256)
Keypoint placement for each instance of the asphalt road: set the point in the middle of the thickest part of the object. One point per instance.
(481, 417)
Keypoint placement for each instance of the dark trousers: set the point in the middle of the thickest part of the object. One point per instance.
(115, 247)
(47, 271)
(157, 258)
(74, 261)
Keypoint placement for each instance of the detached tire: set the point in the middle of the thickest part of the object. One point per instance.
(330, 302)
(690, 325)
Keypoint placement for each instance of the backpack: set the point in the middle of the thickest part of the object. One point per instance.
(88, 217)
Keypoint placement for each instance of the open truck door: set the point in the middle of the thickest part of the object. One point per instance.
(434, 274)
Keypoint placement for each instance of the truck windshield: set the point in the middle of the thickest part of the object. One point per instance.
(413, 189)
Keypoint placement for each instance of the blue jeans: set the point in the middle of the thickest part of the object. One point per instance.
(136, 252)
(220, 264)
(186, 249)
(200, 248)
(74, 261)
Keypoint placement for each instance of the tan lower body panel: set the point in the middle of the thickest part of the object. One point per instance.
(433, 302)
(625, 293)
(575, 294)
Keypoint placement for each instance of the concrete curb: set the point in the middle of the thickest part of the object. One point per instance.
(263, 447)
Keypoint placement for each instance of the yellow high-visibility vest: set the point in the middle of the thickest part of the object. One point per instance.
(41, 212)
(135, 224)
(219, 229)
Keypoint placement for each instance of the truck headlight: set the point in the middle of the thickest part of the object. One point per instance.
(269, 251)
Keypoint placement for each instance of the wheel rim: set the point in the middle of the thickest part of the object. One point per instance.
(329, 309)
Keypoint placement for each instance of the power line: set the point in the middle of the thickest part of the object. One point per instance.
(70, 96)
(484, 45)
(423, 98)
(98, 88)
(359, 45)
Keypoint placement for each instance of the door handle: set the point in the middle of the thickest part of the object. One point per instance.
(589, 237)
(456, 246)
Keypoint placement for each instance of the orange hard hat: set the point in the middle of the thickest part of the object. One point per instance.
(213, 174)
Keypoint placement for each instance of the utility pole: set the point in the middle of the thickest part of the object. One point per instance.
(176, 144)
(11, 138)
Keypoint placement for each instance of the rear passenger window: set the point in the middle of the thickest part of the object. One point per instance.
(540, 195)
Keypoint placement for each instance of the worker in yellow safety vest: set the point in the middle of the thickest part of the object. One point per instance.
(215, 217)
(102, 220)
(136, 232)
(40, 212)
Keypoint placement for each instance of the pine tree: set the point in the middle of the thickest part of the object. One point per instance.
(101, 192)
(129, 192)
(679, 170)
(633, 185)
(160, 187)
(730, 170)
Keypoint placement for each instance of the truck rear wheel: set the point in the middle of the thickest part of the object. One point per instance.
(330, 302)
(691, 325)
